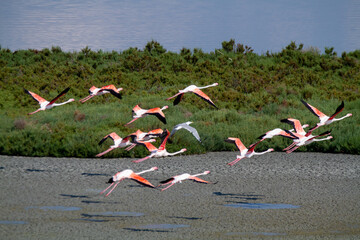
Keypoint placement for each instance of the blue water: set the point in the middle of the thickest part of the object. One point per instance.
(120, 24)
(56, 208)
(5, 222)
(261, 206)
(162, 226)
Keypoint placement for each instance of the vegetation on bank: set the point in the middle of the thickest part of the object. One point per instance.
(254, 93)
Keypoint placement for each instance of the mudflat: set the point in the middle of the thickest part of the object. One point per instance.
(277, 195)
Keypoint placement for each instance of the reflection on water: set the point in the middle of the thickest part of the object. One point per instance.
(5, 222)
(120, 24)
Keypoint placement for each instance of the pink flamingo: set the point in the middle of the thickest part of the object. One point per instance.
(139, 112)
(118, 142)
(182, 177)
(196, 90)
(324, 119)
(300, 137)
(128, 173)
(94, 91)
(158, 152)
(44, 104)
(245, 152)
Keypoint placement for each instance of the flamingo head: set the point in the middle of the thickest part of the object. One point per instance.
(206, 172)
(349, 114)
(154, 168)
(271, 150)
(164, 107)
(183, 150)
(215, 84)
(305, 125)
(71, 100)
(330, 137)
(120, 89)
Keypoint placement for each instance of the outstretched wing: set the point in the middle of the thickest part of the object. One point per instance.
(314, 110)
(237, 143)
(178, 99)
(60, 95)
(35, 96)
(338, 110)
(198, 180)
(204, 96)
(141, 180)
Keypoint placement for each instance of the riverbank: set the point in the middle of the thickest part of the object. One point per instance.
(290, 196)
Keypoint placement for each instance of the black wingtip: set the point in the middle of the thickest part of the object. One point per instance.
(110, 180)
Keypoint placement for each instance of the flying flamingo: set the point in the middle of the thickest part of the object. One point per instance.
(94, 91)
(300, 137)
(143, 137)
(139, 112)
(158, 152)
(118, 142)
(128, 173)
(196, 90)
(324, 119)
(186, 126)
(182, 177)
(244, 152)
(44, 104)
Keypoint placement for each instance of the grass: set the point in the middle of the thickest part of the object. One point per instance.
(255, 92)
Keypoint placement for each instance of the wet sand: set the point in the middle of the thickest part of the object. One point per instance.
(277, 195)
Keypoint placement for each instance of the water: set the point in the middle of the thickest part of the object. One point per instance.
(261, 205)
(120, 24)
(56, 208)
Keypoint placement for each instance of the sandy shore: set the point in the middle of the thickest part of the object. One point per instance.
(278, 195)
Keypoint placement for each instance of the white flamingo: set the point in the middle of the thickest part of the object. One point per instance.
(158, 152)
(196, 90)
(245, 152)
(94, 91)
(128, 173)
(138, 112)
(118, 142)
(182, 177)
(44, 104)
(324, 119)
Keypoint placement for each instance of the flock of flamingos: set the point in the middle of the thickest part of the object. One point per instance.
(299, 136)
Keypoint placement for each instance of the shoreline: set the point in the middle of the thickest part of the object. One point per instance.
(298, 195)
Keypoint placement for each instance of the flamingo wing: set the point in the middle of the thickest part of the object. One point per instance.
(296, 125)
(204, 96)
(198, 180)
(113, 90)
(178, 98)
(60, 95)
(167, 180)
(141, 180)
(314, 110)
(164, 140)
(112, 135)
(252, 146)
(35, 96)
(158, 113)
(237, 143)
(338, 110)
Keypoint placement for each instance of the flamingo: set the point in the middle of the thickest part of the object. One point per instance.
(244, 152)
(128, 173)
(182, 177)
(44, 104)
(158, 152)
(94, 91)
(142, 136)
(196, 90)
(324, 119)
(139, 112)
(118, 142)
(300, 137)
(186, 126)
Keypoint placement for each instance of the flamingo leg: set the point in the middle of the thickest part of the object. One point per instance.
(130, 147)
(293, 149)
(86, 98)
(100, 154)
(34, 112)
(173, 96)
(131, 121)
(167, 186)
(142, 159)
(113, 188)
(235, 161)
(290, 146)
(107, 188)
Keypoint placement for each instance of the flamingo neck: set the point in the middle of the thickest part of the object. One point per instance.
(59, 104)
(199, 174)
(148, 170)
